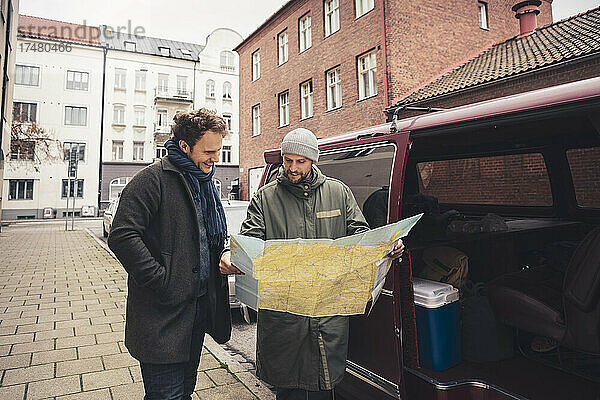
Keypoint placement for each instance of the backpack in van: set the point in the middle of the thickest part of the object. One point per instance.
(444, 264)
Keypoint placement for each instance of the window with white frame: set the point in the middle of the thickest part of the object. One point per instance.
(117, 150)
(73, 187)
(282, 40)
(334, 89)
(140, 81)
(20, 189)
(363, 7)
(226, 154)
(120, 77)
(116, 186)
(227, 91)
(332, 16)
(305, 33)
(482, 12)
(227, 61)
(255, 65)
(119, 114)
(129, 46)
(367, 75)
(140, 115)
(24, 112)
(77, 80)
(182, 85)
(138, 151)
(22, 150)
(256, 120)
(210, 89)
(306, 99)
(27, 75)
(227, 119)
(161, 151)
(76, 116)
(163, 83)
(161, 120)
(74, 146)
(164, 51)
(186, 52)
(284, 108)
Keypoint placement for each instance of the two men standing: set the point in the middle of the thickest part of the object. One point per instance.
(169, 233)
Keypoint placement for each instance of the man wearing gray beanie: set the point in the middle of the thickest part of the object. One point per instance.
(303, 357)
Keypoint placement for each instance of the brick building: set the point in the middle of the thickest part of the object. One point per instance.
(335, 65)
(563, 52)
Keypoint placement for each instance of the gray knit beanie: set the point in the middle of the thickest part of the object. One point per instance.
(301, 142)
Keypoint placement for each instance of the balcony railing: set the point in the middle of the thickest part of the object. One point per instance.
(170, 93)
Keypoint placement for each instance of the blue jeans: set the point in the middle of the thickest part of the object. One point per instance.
(177, 381)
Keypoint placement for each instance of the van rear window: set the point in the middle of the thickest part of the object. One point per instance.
(519, 179)
(585, 170)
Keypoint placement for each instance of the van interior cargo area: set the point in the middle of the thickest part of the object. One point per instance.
(554, 374)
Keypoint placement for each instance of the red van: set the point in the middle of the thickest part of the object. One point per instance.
(532, 161)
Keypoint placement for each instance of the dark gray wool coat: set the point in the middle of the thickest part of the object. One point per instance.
(155, 235)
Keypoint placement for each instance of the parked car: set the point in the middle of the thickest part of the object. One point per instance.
(235, 213)
(109, 213)
(532, 160)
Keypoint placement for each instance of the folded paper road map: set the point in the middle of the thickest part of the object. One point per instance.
(315, 277)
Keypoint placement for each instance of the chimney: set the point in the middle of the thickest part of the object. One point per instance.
(526, 13)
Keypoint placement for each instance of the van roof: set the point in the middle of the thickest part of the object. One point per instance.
(517, 103)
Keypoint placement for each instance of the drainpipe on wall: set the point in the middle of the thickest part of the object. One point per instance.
(384, 63)
(194, 92)
(527, 12)
(104, 51)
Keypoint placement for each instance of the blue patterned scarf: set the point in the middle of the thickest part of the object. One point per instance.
(204, 193)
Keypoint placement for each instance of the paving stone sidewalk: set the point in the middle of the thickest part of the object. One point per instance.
(62, 315)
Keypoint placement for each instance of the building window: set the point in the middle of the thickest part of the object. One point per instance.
(77, 80)
(120, 76)
(27, 75)
(164, 51)
(363, 7)
(256, 120)
(332, 16)
(227, 91)
(482, 11)
(305, 32)
(78, 147)
(161, 120)
(119, 114)
(227, 61)
(130, 46)
(306, 99)
(75, 116)
(20, 189)
(24, 112)
(284, 108)
(140, 81)
(140, 116)
(226, 154)
(22, 150)
(334, 89)
(282, 40)
(210, 89)
(117, 150)
(186, 52)
(70, 185)
(367, 75)
(161, 152)
(116, 186)
(255, 65)
(227, 119)
(182, 85)
(163, 83)
(138, 151)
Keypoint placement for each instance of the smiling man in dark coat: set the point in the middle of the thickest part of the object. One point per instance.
(169, 232)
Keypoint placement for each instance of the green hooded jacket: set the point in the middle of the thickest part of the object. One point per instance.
(295, 351)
